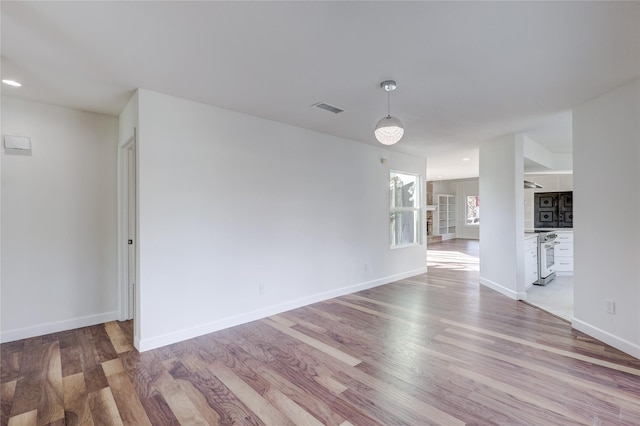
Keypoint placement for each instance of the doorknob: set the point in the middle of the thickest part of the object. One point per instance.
(130, 242)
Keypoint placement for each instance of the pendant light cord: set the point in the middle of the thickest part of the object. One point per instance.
(388, 103)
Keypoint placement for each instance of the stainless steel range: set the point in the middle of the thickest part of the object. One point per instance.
(546, 259)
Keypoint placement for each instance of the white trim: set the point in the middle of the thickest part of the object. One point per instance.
(188, 333)
(55, 327)
(405, 246)
(626, 346)
(465, 213)
(123, 279)
(521, 295)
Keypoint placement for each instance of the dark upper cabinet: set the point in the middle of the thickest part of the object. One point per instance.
(553, 209)
(546, 200)
(565, 200)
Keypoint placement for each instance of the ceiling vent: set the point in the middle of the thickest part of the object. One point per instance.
(328, 107)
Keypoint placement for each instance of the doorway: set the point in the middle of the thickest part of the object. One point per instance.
(128, 233)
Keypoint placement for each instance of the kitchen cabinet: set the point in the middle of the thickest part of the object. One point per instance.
(563, 253)
(530, 260)
(447, 216)
(553, 209)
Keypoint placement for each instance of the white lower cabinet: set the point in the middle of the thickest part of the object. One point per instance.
(563, 253)
(530, 260)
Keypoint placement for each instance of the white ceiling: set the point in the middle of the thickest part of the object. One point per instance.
(466, 71)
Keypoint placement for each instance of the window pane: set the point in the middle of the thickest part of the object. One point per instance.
(405, 227)
(473, 210)
(403, 190)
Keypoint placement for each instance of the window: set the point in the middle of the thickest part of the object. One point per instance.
(404, 212)
(473, 210)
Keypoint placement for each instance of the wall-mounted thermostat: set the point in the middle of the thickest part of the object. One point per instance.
(17, 142)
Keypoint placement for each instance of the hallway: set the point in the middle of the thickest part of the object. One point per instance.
(555, 298)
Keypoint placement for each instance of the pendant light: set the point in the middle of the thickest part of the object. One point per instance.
(389, 129)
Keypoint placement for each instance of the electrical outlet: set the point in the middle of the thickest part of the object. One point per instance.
(610, 306)
(261, 288)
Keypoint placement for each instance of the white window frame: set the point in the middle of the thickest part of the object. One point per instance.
(416, 209)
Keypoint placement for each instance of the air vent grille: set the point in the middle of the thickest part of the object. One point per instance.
(328, 107)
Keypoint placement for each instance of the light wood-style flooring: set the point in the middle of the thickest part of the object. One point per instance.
(433, 349)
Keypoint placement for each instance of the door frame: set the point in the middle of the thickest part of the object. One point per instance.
(128, 298)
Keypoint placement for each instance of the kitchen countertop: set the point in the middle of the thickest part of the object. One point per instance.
(531, 233)
(536, 230)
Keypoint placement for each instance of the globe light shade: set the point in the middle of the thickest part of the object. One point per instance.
(389, 130)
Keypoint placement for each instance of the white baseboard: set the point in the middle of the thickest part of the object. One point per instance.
(503, 290)
(54, 327)
(199, 330)
(626, 346)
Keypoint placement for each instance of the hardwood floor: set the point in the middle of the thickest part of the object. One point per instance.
(432, 349)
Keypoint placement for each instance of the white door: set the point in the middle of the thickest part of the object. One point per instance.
(131, 228)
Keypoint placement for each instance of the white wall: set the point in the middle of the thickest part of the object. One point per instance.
(607, 230)
(545, 159)
(502, 217)
(442, 187)
(550, 183)
(58, 220)
(228, 202)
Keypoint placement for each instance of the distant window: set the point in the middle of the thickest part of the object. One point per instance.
(473, 210)
(404, 211)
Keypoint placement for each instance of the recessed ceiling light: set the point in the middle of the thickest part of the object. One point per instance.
(11, 83)
(466, 159)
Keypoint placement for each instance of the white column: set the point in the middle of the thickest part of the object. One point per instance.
(502, 219)
(606, 154)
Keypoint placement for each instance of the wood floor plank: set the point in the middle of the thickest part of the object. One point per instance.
(310, 399)
(592, 360)
(51, 403)
(329, 350)
(103, 408)
(10, 354)
(524, 396)
(28, 390)
(127, 329)
(129, 406)
(70, 353)
(599, 391)
(118, 338)
(158, 410)
(112, 367)
(248, 396)
(183, 408)
(228, 406)
(30, 418)
(7, 390)
(91, 359)
(300, 369)
(76, 401)
(403, 399)
(198, 400)
(309, 402)
(298, 415)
